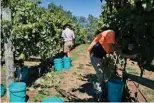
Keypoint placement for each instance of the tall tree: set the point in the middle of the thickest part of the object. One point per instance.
(91, 26)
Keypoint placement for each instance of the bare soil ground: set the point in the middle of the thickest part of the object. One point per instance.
(74, 79)
(75, 82)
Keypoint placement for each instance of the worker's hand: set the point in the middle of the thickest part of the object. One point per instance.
(88, 53)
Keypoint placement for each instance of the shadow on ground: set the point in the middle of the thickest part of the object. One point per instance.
(88, 87)
(35, 72)
(82, 100)
(85, 88)
(27, 97)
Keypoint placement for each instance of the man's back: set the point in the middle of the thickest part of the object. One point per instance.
(68, 35)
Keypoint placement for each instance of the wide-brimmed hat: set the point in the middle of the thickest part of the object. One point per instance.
(67, 25)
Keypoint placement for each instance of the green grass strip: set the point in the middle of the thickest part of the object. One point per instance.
(82, 48)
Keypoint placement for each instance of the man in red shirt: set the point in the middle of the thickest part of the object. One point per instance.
(103, 43)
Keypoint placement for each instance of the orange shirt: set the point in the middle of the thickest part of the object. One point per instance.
(105, 39)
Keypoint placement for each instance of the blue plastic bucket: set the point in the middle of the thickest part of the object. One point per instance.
(53, 99)
(115, 90)
(58, 65)
(17, 92)
(67, 63)
(24, 73)
(2, 90)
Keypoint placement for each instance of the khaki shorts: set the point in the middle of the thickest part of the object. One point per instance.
(67, 46)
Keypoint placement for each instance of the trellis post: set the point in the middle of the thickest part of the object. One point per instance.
(9, 58)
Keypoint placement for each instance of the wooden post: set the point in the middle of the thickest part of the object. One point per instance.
(9, 59)
(143, 81)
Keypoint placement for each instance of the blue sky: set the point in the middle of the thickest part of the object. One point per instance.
(78, 7)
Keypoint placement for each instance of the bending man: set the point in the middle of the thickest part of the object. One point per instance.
(103, 43)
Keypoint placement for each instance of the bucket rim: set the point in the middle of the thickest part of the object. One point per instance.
(22, 87)
(53, 98)
(66, 58)
(57, 60)
(116, 81)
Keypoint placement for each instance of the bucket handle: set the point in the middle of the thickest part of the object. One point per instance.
(18, 95)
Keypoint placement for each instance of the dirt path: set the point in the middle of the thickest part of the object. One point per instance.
(76, 80)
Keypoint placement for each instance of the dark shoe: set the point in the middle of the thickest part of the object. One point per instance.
(95, 95)
(103, 96)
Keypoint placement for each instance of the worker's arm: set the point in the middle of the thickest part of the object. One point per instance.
(97, 38)
(63, 35)
(119, 51)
